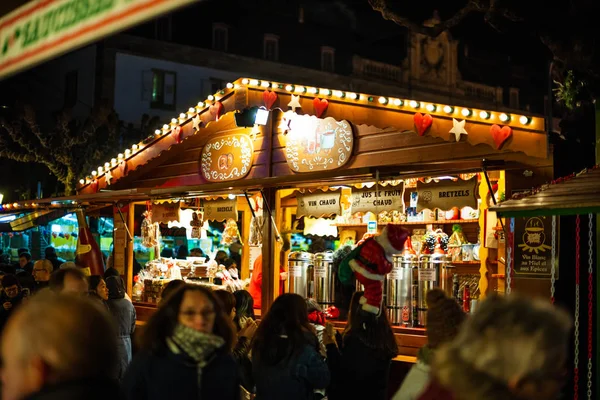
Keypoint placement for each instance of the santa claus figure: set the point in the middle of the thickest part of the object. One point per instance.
(370, 262)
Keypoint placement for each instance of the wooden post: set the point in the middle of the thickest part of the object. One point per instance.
(129, 270)
(270, 270)
(246, 222)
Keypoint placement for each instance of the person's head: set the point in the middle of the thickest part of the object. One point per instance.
(42, 270)
(444, 318)
(229, 263)
(221, 256)
(375, 331)
(510, 348)
(227, 301)
(21, 251)
(182, 252)
(97, 284)
(24, 259)
(53, 339)
(169, 288)
(11, 286)
(111, 272)
(196, 252)
(244, 307)
(68, 264)
(288, 317)
(193, 306)
(50, 253)
(116, 287)
(69, 280)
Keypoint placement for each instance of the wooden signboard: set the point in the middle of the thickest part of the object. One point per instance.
(227, 158)
(220, 210)
(166, 212)
(378, 199)
(446, 194)
(315, 144)
(319, 203)
(533, 247)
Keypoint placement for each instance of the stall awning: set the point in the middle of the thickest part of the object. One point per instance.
(578, 194)
(33, 219)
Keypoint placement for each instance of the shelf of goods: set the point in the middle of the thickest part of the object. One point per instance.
(443, 222)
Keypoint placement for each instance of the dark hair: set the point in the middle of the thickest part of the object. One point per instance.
(170, 288)
(111, 272)
(26, 255)
(227, 300)
(374, 331)
(287, 316)
(116, 287)
(50, 252)
(8, 269)
(57, 278)
(10, 280)
(244, 307)
(221, 255)
(161, 324)
(93, 282)
(22, 250)
(182, 252)
(228, 262)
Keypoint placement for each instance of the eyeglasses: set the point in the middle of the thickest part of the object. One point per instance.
(206, 313)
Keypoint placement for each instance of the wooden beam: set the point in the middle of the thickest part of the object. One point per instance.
(130, 248)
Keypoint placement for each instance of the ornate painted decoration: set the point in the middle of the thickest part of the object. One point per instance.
(227, 158)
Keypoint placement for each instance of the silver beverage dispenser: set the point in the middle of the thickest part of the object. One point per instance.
(429, 277)
(324, 279)
(399, 284)
(300, 266)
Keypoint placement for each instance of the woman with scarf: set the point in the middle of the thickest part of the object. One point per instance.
(185, 351)
(286, 361)
(124, 316)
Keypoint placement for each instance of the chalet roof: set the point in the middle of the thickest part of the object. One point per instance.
(576, 194)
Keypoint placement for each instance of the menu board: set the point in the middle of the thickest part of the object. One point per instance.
(446, 194)
(378, 199)
(319, 203)
(533, 247)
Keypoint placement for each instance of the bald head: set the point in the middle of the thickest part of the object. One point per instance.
(56, 338)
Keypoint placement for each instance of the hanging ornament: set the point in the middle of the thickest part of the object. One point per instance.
(216, 110)
(320, 106)
(269, 98)
(295, 103)
(177, 134)
(284, 123)
(500, 135)
(230, 233)
(150, 230)
(196, 224)
(196, 122)
(422, 122)
(458, 128)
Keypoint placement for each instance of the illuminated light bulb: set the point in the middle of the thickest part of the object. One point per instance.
(191, 110)
(94, 173)
(465, 112)
(230, 85)
(201, 104)
(107, 166)
(414, 104)
(182, 115)
(254, 82)
(300, 89)
(174, 121)
(338, 93)
(245, 81)
(165, 127)
(127, 153)
(289, 88)
(82, 182)
(120, 156)
(484, 115)
(134, 147)
(113, 161)
(265, 84)
(383, 100)
(398, 102)
(524, 120)
(313, 90)
(211, 97)
(448, 109)
(326, 92)
(231, 196)
(430, 107)
(504, 117)
(157, 132)
(100, 170)
(352, 96)
(15, 205)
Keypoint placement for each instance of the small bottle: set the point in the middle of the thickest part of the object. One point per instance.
(415, 303)
(455, 287)
(467, 299)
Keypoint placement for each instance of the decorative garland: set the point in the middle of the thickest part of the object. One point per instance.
(509, 245)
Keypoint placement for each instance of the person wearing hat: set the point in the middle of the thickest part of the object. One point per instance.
(444, 318)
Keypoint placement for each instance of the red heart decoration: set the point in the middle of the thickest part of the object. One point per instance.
(422, 123)
(95, 186)
(269, 98)
(320, 106)
(500, 135)
(216, 110)
(177, 134)
(123, 168)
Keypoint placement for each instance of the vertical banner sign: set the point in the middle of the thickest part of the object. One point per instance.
(119, 239)
(43, 29)
(378, 199)
(533, 247)
(446, 194)
(319, 203)
(220, 210)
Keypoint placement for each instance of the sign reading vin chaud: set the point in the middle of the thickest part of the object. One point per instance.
(446, 194)
(319, 203)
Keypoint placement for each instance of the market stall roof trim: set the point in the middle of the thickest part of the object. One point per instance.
(503, 130)
(575, 194)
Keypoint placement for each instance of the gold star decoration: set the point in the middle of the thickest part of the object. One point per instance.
(295, 103)
(196, 121)
(458, 128)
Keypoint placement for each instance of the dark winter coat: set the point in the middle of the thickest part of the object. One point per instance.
(87, 389)
(357, 371)
(175, 376)
(294, 378)
(240, 353)
(124, 315)
(5, 314)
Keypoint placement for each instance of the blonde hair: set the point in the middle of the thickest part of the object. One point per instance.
(507, 338)
(45, 264)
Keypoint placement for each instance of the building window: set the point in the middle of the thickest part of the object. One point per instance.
(71, 89)
(327, 59)
(271, 48)
(163, 89)
(216, 85)
(220, 37)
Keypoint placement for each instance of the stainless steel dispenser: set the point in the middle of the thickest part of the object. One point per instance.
(299, 270)
(429, 277)
(324, 278)
(399, 284)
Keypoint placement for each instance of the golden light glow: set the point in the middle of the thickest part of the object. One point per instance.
(484, 114)
(211, 97)
(300, 89)
(398, 102)
(230, 85)
(254, 82)
(134, 147)
(94, 173)
(430, 107)
(245, 81)
(81, 182)
(201, 104)
(466, 112)
(127, 153)
(100, 170)
(265, 84)
(382, 100)
(289, 88)
(525, 120)
(313, 90)
(414, 104)
(107, 166)
(338, 93)
(504, 117)
(448, 109)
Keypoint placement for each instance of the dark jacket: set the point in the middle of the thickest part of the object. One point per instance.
(175, 376)
(357, 371)
(240, 353)
(41, 285)
(294, 378)
(124, 316)
(5, 314)
(90, 389)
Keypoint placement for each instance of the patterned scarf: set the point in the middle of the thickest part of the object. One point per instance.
(199, 346)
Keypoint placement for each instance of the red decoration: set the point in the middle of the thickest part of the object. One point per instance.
(54, 235)
(177, 134)
(67, 235)
(500, 135)
(216, 110)
(269, 98)
(320, 106)
(422, 123)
